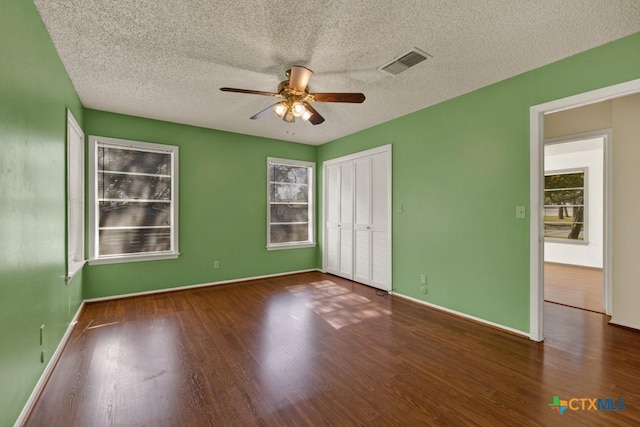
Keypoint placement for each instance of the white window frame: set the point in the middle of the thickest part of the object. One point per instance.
(585, 206)
(75, 197)
(311, 242)
(94, 257)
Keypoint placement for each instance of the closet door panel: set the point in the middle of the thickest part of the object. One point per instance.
(362, 217)
(332, 211)
(346, 220)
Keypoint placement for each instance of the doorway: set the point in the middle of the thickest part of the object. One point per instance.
(574, 212)
(536, 236)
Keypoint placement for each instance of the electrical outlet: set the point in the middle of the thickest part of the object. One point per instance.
(521, 213)
(423, 279)
(216, 264)
(400, 208)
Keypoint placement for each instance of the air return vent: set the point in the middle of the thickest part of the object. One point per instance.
(404, 62)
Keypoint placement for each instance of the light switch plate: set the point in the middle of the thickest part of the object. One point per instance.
(521, 213)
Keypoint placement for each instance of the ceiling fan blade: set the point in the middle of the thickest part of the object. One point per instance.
(299, 78)
(355, 98)
(249, 91)
(315, 118)
(264, 113)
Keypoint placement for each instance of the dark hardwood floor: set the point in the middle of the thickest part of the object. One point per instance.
(314, 349)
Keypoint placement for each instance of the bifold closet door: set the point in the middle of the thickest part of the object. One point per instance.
(380, 231)
(339, 231)
(357, 226)
(371, 214)
(362, 221)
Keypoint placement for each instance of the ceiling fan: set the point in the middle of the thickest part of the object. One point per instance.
(296, 98)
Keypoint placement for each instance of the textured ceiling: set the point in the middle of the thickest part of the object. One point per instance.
(166, 59)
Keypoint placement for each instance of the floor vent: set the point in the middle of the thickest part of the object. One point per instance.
(404, 62)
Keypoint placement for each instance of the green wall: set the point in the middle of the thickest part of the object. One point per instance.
(460, 168)
(222, 211)
(34, 94)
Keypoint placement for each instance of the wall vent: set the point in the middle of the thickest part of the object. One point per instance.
(404, 62)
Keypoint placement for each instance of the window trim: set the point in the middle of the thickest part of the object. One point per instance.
(74, 266)
(311, 185)
(94, 143)
(585, 204)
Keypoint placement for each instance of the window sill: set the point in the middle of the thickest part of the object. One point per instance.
(133, 258)
(566, 241)
(291, 246)
(75, 268)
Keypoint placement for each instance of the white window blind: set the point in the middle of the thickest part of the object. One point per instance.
(134, 200)
(75, 196)
(290, 212)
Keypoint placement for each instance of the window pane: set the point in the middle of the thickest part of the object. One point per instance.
(289, 213)
(113, 242)
(289, 193)
(116, 186)
(564, 180)
(123, 160)
(288, 173)
(289, 233)
(134, 214)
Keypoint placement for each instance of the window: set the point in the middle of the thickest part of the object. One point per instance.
(290, 218)
(75, 197)
(134, 201)
(564, 202)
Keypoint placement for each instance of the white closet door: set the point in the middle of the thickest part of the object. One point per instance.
(332, 212)
(362, 221)
(358, 217)
(346, 220)
(380, 211)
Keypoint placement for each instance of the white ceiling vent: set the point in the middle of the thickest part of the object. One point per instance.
(404, 62)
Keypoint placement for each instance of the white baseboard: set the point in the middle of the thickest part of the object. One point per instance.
(464, 315)
(624, 324)
(201, 285)
(26, 410)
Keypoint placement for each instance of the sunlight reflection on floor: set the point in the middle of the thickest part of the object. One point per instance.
(337, 305)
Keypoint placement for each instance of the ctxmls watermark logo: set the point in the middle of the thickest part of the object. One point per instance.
(587, 404)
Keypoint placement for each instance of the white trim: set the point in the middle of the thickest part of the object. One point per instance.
(201, 285)
(281, 246)
(28, 406)
(359, 154)
(133, 258)
(625, 324)
(172, 150)
(74, 266)
(311, 206)
(69, 277)
(536, 146)
(463, 315)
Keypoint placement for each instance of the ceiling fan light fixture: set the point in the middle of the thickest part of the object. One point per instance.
(297, 109)
(289, 117)
(280, 110)
(306, 115)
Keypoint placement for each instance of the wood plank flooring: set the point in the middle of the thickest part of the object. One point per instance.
(573, 285)
(316, 350)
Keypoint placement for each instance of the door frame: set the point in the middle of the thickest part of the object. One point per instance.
(536, 174)
(381, 149)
